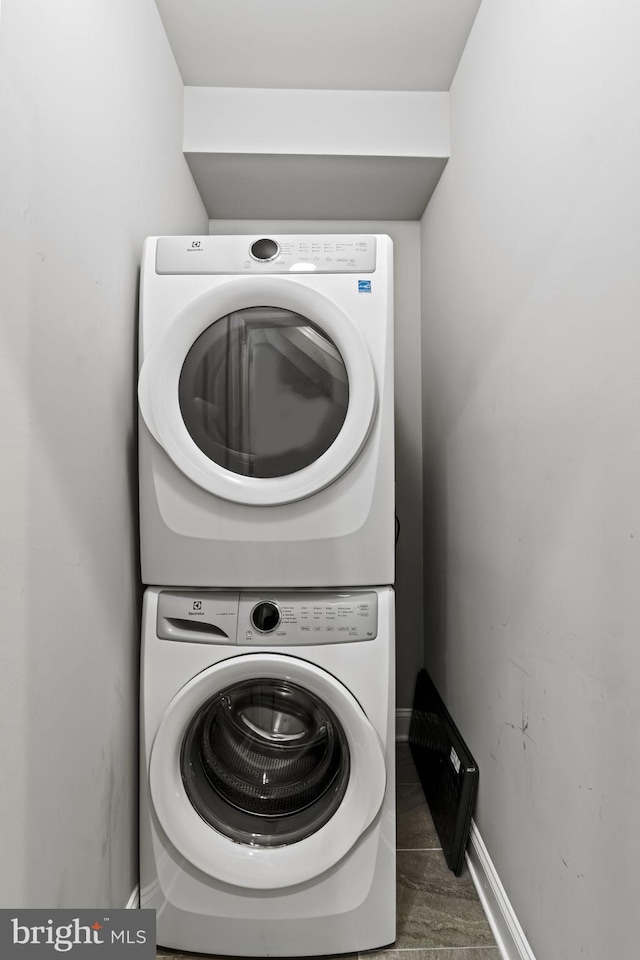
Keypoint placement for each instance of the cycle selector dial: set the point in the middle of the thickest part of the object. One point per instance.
(265, 616)
(265, 250)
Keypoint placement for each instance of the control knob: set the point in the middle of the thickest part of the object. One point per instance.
(265, 616)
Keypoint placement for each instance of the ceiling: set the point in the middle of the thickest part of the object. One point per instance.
(321, 45)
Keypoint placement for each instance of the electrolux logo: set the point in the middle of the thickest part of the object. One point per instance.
(81, 933)
(196, 609)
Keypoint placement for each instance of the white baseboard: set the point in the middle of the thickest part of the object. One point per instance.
(509, 935)
(403, 722)
(133, 903)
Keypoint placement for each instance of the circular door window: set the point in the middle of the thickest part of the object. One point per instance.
(255, 404)
(265, 762)
(263, 392)
(265, 771)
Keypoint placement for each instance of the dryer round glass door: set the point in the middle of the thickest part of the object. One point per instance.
(262, 391)
(265, 771)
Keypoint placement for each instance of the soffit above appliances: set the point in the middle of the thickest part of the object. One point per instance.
(315, 154)
(286, 187)
(290, 109)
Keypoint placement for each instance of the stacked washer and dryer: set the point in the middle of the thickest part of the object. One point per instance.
(267, 813)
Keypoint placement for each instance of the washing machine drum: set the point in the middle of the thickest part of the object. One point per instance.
(265, 771)
(265, 762)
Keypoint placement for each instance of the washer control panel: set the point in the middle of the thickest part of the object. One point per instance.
(310, 618)
(267, 619)
(322, 253)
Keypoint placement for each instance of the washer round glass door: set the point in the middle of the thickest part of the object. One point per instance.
(262, 391)
(265, 771)
(265, 762)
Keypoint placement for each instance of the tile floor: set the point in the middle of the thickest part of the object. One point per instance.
(439, 915)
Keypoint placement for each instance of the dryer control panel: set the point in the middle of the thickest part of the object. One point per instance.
(322, 253)
(267, 619)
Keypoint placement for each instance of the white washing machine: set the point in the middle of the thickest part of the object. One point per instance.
(267, 809)
(266, 401)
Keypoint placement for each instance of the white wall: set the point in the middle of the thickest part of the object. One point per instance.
(406, 244)
(531, 385)
(90, 163)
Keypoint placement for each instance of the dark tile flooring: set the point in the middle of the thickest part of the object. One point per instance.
(439, 916)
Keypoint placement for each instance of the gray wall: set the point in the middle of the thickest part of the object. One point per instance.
(90, 163)
(531, 387)
(406, 240)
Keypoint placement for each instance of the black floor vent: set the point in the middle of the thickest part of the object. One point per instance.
(448, 773)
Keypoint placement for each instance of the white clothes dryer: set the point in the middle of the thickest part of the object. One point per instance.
(267, 800)
(266, 402)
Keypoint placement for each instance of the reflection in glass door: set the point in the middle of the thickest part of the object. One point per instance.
(265, 762)
(263, 392)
